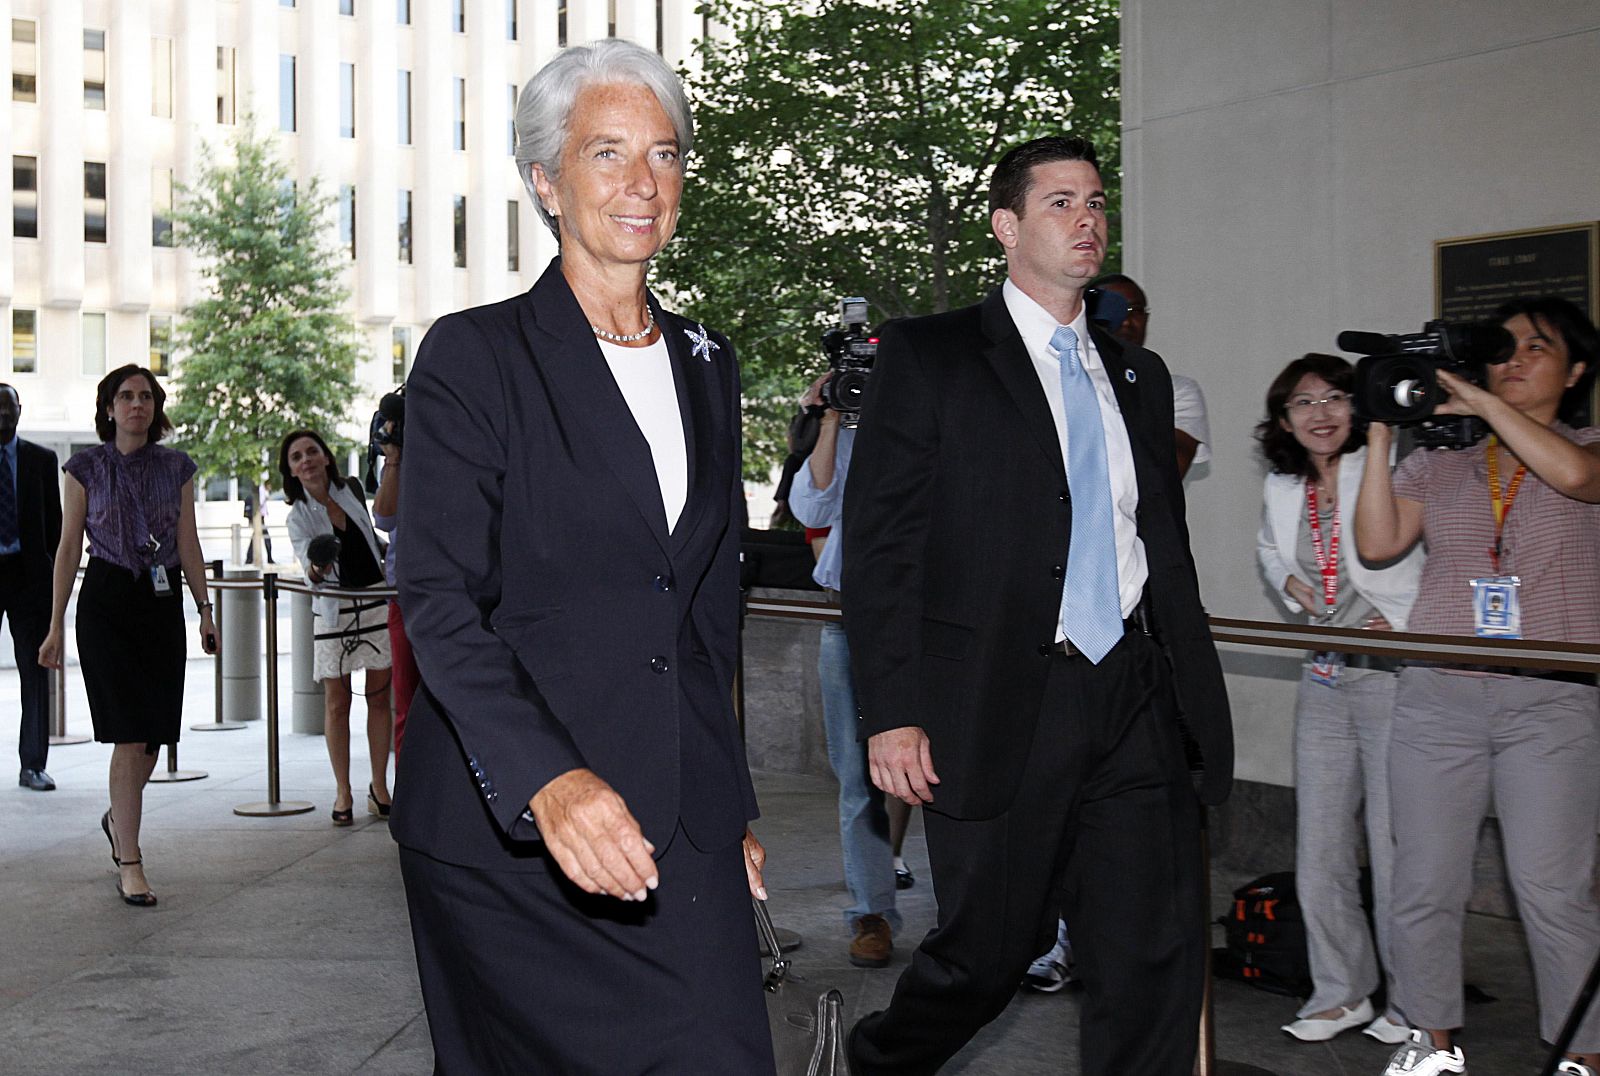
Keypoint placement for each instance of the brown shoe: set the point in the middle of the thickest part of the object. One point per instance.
(873, 943)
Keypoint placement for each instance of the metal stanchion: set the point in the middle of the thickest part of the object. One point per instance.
(58, 708)
(172, 773)
(218, 725)
(273, 806)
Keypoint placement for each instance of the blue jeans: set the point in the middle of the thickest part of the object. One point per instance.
(863, 823)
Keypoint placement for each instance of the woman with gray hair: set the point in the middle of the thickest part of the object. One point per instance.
(573, 810)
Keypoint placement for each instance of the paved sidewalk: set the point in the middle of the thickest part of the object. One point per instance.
(281, 946)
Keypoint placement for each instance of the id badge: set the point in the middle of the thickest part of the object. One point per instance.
(1496, 610)
(159, 581)
(1326, 665)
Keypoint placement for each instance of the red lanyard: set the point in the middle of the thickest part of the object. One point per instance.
(1327, 558)
(1501, 507)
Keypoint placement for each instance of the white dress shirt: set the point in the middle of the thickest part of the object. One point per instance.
(1037, 325)
(644, 374)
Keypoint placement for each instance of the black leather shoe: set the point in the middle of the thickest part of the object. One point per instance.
(37, 780)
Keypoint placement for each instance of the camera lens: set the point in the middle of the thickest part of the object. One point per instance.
(1409, 392)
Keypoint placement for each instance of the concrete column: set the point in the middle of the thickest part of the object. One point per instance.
(587, 21)
(129, 209)
(194, 113)
(256, 69)
(242, 611)
(636, 22)
(377, 247)
(306, 707)
(488, 156)
(61, 153)
(681, 30)
(317, 90)
(432, 91)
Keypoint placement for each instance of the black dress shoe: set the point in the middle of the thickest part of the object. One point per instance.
(37, 780)
(903, 878)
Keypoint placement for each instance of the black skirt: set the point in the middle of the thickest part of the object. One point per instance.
(132, 651)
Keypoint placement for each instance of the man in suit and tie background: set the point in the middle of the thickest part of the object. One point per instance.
(1031, 654)
(30, 529)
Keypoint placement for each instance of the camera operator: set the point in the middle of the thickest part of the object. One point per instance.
(1512, 527)
(817, 499)
(386, 518)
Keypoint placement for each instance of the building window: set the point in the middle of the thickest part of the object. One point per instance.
(25, 197)
(661, 40)
(611, 18)
(94, 69)
(286, 113)
(24, 60)
(286, 3)
(511, 121)
(347, 7)
(561, 23)
(161, 344)
(225, 84)
(347, 218)
(24, 341)
(403, 225)
(161, 77)
(513, 238)
(94, 345)
(461, 231)
(400, 349)
(511, 20)
(94, 202)
(460, 139)
(403, 106)
(161, 207)
(347, 100)
(402, 12)
(458, 15)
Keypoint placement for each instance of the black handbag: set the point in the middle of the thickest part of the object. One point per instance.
(807, 1023)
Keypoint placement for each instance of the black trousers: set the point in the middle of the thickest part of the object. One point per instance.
(523, 973)
(1105, 825)
(26, 604)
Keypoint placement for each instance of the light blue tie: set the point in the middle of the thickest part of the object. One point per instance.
(1091, 608)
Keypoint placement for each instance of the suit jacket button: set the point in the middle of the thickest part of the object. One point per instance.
(1044, 650)
(659, 664)
(1065, 496)
(663, 583)
(1058, 571)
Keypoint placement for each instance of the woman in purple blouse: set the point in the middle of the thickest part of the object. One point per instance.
(135, 500)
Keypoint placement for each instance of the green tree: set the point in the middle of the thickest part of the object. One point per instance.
(844, 148)
(270, 347)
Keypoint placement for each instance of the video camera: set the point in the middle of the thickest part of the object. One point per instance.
(1397, 380)
(392, 408)
(851, 352)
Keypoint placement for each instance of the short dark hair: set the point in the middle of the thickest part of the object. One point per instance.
(106, 392)
(293, 490)
(1551, 314)
(1284, 454)
(7, 387)
(1008, 186)
(1116, 278)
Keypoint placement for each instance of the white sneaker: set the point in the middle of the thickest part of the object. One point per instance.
(1050, 972)
(1387, 1031)
(1420, 1057)
(1574, 1068)
(1323, 1030)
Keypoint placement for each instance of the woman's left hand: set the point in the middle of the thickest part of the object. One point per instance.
(1465, 397)
(755, 857)
(208, 632)
(1376, 622)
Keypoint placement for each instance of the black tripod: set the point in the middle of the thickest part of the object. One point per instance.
(1580, 1006)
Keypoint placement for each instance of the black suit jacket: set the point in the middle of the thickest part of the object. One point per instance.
(957, 521)
(38, 514)
(556, 622)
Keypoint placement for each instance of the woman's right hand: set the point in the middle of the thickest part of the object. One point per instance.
(50, 651)
(1301, 591)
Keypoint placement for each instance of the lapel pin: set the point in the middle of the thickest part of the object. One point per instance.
(1130, 375)
(702, 344)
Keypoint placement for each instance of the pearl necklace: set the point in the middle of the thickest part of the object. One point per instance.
(628, 338)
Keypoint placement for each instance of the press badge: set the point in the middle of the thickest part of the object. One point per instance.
(1326, 665)
(159, 581)
(1496, 610)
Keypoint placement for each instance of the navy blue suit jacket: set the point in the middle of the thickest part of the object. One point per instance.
(557, 623)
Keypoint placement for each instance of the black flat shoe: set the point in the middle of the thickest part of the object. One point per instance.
(105, 826)
(374, 807)
(344, 817)
(904, 879)
(146, 899)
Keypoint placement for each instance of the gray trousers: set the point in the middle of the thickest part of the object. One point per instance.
(1341, 763)
(1535, 746)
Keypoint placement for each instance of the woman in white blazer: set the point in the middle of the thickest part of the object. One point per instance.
(352, 633)
(1316, 450)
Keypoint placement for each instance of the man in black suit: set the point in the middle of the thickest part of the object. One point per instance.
(1032, 658)
(30, 529)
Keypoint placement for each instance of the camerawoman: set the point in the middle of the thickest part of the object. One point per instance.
(1512, 529)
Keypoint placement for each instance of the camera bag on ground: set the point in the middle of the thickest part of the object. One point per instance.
(806, 1019)
(1266, 938)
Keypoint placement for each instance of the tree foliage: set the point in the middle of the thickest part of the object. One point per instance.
(270, 347)
(844, 148)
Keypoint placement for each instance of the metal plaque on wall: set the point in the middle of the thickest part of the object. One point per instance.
(1474, 274)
